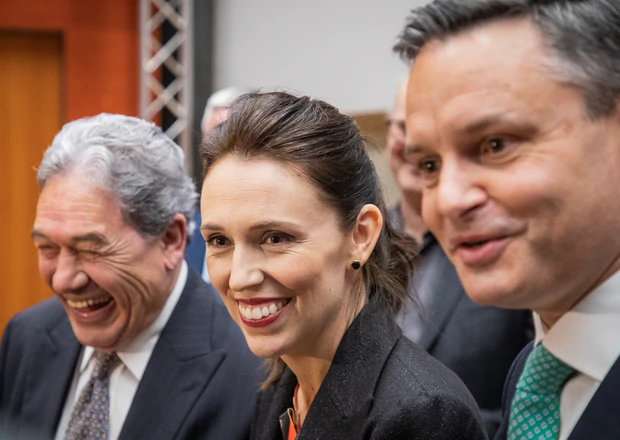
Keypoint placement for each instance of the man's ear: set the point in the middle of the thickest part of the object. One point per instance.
(173, 241)
(366, 232)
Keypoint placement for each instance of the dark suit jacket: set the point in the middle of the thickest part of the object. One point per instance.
(198, 384)
(599, 421)
(380, 386)
(478, 343)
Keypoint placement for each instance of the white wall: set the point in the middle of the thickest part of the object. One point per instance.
(336, 50)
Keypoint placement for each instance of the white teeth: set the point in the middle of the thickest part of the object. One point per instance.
(248, 314)
(88, 302)
(251, 313)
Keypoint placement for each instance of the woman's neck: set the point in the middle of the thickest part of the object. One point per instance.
(310, 373)
(311, 369)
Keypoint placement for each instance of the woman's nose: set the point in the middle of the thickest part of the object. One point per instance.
(245, 271)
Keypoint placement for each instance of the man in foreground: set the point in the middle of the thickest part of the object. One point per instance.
(133, 345)
(444, 321)
(513, 118)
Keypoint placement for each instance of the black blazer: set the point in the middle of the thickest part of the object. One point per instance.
(478, 343)
(460, 334)
(380, 386)
(599, 421)
(198, 384)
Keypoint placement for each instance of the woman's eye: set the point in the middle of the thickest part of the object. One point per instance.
(217, 241)
(277, 238)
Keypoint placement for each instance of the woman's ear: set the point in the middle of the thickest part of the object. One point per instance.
(174, 240)
(366, 232)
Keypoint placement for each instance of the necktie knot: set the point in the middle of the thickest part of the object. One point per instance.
(104, 362)
(544, 373)
(535, 410)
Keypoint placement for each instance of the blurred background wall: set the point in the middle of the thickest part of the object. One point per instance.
(65, 59)
(336, 50)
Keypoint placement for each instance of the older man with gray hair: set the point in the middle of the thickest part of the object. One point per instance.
(133, 345)
(513, 117)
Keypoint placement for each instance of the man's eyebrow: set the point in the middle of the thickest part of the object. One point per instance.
(489, 121)
(93, 237)
(37, 234)
(413, 149)
(481, 125)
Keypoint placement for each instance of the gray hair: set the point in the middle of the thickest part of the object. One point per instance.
(584, 36)
(222, 98)
(130, 158)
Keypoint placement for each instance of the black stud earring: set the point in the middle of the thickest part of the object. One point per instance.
(356, 264)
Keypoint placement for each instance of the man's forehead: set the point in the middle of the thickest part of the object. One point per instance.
(69, 204)
(76, 188)
(494, 44)
(477, 68)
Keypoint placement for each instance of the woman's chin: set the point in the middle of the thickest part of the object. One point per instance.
(265, 351)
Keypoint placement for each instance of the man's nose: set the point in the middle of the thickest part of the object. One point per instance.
(459, 191)
(68, 276)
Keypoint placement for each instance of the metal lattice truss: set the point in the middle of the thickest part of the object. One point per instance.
(175, 57)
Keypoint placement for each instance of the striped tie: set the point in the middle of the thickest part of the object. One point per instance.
(90, 418)
(535, 410)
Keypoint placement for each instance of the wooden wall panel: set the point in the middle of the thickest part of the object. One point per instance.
(100, 49)
(95, 65)
(30, 107)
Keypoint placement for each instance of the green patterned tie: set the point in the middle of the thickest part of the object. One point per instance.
(535, 410)
(91, 416)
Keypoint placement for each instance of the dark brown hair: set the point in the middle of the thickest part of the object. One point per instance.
(327, 148)
(583, 35)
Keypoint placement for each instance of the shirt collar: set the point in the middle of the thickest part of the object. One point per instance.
(588, 336)
(135, 356)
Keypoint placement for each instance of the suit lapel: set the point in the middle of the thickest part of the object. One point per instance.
(600, 419)
(266, 424)
(345, 398)
(446, 293)
(179, 369)
(50, 381)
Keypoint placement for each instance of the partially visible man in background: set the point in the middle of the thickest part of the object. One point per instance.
(216, 112)
(513, 117)
(442, 319)
(133, 345)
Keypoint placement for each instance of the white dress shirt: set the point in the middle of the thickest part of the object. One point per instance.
(126, 376)
(588, 339)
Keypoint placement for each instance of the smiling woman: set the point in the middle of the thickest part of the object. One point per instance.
(297, 246)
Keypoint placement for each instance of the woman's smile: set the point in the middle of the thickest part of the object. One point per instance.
(261, 312)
